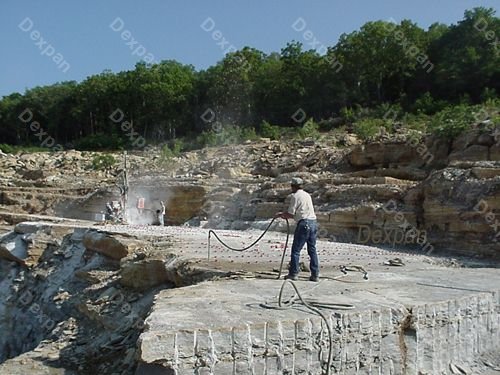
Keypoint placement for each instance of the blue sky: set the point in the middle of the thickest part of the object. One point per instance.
(80, 32)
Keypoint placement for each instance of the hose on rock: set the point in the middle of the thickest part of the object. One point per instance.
(314, 307)
(212, 232)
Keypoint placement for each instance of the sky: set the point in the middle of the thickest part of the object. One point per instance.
(44, 42)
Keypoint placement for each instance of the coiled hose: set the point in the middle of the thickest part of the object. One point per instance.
(314, 307)
(282, 305)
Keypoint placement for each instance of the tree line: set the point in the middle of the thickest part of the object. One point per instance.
(383, 63)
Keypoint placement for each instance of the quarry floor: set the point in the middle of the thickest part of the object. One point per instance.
(423, 282)
(265, 256)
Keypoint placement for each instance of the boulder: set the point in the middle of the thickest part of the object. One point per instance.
(115, 247)
(28, 227)
(143, 274)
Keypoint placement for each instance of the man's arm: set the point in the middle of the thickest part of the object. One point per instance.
(287, 214)
(283, 215)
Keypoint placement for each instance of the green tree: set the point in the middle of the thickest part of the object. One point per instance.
(230, 86)
(466, 61)
(379, 60)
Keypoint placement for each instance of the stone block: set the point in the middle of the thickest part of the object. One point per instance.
(112, 246)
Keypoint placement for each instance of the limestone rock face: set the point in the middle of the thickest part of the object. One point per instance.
(495, 152)
(245, 185)
(485, 172)
(37, 244)
(66, 309)
(185, 202)
(33, 241)
(383, 155)
(471, 153)
(33, 174)
(234, 337)
(232, 172)
(459, 209)
(465, 140)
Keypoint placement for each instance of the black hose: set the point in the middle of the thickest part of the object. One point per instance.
(288, 304)
(284, 305)
(210, 232)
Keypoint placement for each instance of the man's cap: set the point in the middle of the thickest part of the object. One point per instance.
(297, 181)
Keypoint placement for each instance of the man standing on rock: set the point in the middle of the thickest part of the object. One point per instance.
(161, 214)
(302, 210)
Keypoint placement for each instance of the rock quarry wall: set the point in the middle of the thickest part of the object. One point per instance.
(440, 197)
(430, 195)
